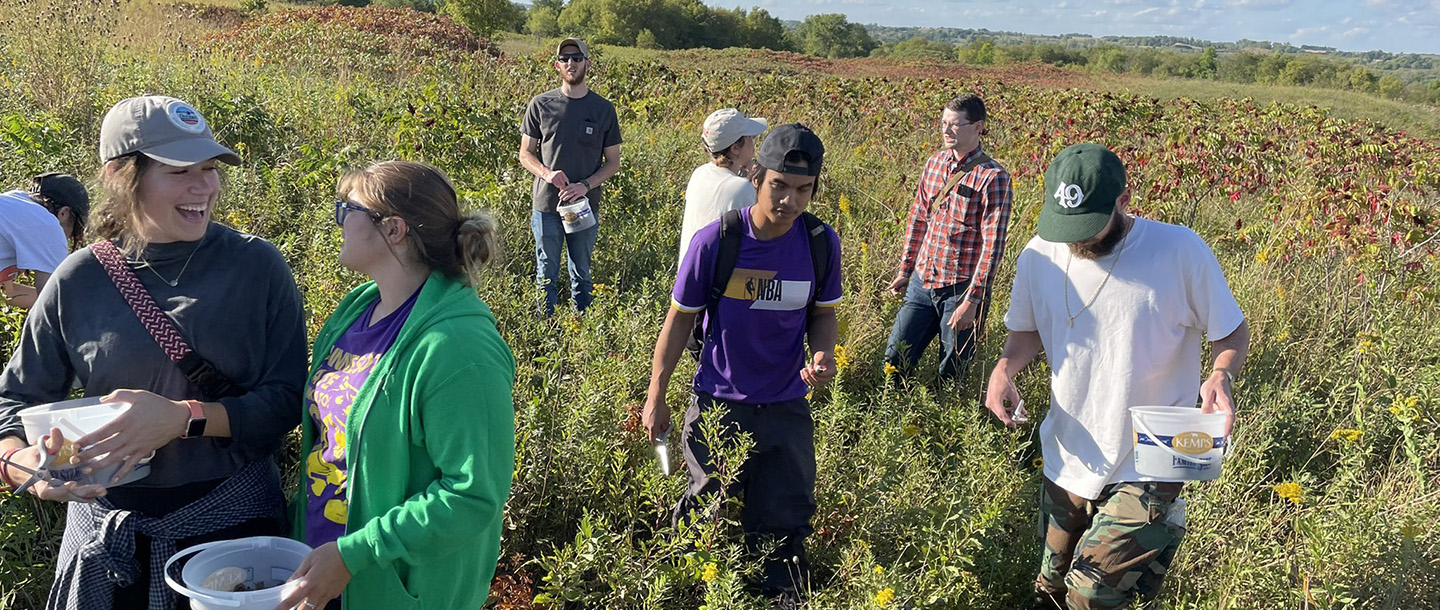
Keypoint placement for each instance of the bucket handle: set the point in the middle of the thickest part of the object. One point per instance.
(1173, 453)
(186, 591)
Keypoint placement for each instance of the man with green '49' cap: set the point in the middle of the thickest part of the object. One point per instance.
(1119, 304)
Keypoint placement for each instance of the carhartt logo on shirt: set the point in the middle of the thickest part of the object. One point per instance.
(1069, 195)
(767, 293)
(589, 131)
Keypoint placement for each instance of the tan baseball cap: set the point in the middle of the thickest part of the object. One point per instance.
(163, 128)
(584, 50)
(726, 126)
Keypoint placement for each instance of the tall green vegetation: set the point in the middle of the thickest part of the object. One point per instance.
(1326, 229)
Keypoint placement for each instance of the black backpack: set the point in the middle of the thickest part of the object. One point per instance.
(731, 229)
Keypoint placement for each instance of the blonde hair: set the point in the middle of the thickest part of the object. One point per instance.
(441, 236)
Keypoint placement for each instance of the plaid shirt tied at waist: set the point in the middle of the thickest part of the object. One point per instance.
(961, 236)
(91, 567)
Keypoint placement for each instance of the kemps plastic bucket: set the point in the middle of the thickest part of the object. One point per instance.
(577, 216)
(76, 418)
(265, 561)
(1178, 442)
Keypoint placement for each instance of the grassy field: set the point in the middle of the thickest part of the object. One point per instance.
(1325, 227)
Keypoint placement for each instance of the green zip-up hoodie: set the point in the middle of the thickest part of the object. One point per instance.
(430, 453)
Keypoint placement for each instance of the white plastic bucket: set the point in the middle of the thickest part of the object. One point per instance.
(1178, 443)
(577, 215)
(266, 558)
(76, 418)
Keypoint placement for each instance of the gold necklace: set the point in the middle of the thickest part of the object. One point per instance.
(1066, 289)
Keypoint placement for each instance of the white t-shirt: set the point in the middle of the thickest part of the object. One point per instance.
(30, 236)
(1139, 343)
(713, 191)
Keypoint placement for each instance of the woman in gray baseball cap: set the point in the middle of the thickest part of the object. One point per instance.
(199, 327)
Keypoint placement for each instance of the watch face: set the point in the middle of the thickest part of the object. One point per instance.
(196, 428)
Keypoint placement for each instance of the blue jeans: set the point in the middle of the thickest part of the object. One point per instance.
(550, 236)
(924, 315)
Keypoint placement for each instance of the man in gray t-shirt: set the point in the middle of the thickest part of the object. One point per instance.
(570, 141)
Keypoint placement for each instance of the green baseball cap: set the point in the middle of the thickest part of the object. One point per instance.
(1081, 187)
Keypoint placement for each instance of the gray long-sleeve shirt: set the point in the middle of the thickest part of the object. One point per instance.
(236, 304)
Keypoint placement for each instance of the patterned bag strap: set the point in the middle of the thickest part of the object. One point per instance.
(160, 326)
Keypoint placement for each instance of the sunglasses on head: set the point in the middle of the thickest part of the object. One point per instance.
(342, 208)
(570, 58)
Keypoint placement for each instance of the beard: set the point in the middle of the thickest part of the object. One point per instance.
(577, 79)
(1103, 244)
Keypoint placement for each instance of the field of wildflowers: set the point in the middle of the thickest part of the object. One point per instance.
(1327, 230)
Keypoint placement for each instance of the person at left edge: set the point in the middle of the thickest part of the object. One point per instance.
(34, 229)
(570, 140)
(409, 431)
(230, 296)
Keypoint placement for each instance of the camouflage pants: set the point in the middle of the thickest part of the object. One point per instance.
(1108, 552)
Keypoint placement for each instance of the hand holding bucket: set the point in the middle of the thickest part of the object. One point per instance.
(1178, 443)
(577, 216)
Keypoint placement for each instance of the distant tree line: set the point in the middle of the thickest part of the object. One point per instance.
(1273, 68)
(686, 24)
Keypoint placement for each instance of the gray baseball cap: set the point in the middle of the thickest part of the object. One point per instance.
(579, 44)
(163, 128)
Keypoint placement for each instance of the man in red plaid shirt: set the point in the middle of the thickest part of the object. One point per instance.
(953, 245)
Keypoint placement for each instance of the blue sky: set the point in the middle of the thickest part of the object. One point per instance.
(1399, 26)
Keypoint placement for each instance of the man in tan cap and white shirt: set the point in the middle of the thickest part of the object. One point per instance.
(720, 185)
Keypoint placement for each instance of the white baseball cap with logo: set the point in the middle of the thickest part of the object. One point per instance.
(163, 128)
(726, 126)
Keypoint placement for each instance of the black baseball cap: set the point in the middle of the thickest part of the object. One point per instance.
(64, 190)
(788, 138)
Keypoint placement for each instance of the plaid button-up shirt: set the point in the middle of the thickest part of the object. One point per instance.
(962, 236)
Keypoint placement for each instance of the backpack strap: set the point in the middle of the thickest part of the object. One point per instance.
(726, 255)
(161, 328)
(731, 229)
(819, 252)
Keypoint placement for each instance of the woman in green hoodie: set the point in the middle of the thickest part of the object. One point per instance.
(409, 438)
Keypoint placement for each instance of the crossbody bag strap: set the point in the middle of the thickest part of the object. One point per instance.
(161, 328)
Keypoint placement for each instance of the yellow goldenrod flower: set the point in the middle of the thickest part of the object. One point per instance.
(842, 358)
(1280, 292)
(1290, 491)
(879, 570)
(884, 596)
(1261, 257)
(844, 205)
(1365, 347)
(864, 249)
(1406, 408)
(890, 369)
(1349, 435)
(710, 572)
